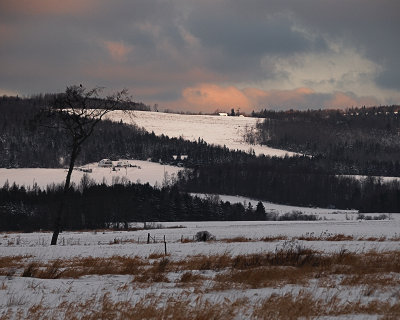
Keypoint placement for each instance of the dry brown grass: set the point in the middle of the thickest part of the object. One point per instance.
(237, 239)
(3, 286)
(201, 262)
(149, 307)
(375, 239)
(375, 280)
(264, 239)
(309, 237)
(12, 262)
(187, 240)
(326, 237)
(155, 273)
(9, 266)
(189, 277)
(274, 238)
(156, 255)
(371, 271)
(277, 306)
(79, 267)
(262, 277)
(371, 274)
(305, 305)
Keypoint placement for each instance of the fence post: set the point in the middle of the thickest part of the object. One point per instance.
(165, 246)
(148, 238)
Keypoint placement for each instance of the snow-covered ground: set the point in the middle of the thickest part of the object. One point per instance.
(133, 243)
(323, 213)
(32, 297)
(21, 296)
(383, 179)
(147, 172)
(217, 130)
(140, 171)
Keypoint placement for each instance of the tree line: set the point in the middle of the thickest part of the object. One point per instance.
(361, 141)
(93, 206)
(283, 181)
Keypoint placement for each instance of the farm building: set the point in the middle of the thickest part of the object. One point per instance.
(105, 163)
(123, 163)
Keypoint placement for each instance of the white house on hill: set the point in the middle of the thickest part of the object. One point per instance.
(105, 163)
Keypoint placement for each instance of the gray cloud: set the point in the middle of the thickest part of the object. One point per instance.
(159, 48)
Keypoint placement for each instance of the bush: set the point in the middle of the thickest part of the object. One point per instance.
(204, 236)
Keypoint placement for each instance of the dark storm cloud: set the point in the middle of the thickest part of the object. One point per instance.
(234, 43)
(370, 26)
(238, 36)
(161, 47)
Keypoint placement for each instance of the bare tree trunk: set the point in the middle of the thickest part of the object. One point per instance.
(60, 211)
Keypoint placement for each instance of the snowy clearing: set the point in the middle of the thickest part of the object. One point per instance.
(140, 171)
(280, 209)
(133, 243)
(116, 273)
(146, 172)
(228, 131)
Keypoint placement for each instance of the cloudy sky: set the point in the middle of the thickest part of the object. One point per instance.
(207, 54)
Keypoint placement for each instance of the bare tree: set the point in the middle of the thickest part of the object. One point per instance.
(77, 112)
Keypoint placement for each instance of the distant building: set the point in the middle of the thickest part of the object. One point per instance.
(105, 163)
(123, 163)
(223, 114)
(180, 157)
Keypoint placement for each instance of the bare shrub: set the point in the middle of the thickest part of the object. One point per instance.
(237, 239)
(30, 270)
(190, 277)
(274, 238)
(156, 255)
(202, 262)
(204, 236)
(52, 271)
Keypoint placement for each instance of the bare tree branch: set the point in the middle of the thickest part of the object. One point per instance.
(77, 112)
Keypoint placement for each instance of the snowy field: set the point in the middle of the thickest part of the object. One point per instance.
(147, 172)
(280, 209)
(334, 268)
(140, 171)
(105, 274)
(133, 243)
(217, 130)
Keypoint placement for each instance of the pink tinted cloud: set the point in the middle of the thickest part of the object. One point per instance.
(279, 98)
(343, 100)
(117, 50)
(211, 97)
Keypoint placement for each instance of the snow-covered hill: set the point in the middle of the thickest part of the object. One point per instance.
(228, 131)
(141, 171)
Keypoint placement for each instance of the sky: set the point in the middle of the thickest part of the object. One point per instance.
(207, 55)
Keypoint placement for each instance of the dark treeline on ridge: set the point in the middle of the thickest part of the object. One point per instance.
(354, 141)
(292, 186)
(102, 206)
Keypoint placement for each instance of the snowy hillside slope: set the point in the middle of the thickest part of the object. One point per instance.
(141, 171)
(280, 209)
(217, 130)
